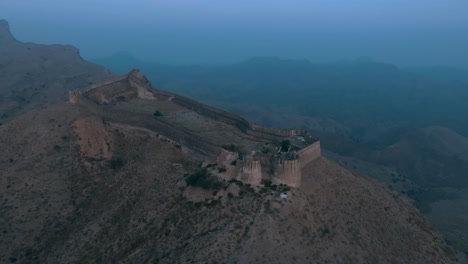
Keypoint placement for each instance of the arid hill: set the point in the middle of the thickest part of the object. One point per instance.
(34, 75)
(126, 175)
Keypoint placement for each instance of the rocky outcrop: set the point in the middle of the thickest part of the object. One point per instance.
(36, 75)
(5, 35)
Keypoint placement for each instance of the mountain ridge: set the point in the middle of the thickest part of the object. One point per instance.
(34, 75)
(5, 34)
(98, 181)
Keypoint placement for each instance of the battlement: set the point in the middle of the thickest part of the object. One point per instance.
(278, 167)
(288, 172)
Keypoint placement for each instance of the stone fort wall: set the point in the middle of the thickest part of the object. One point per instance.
(309, 153)
(231, 119)
(137, 80)
(266, 131)
(104, 83)
(209, 111)
(182, 136)
(250, 170)
(288, 172)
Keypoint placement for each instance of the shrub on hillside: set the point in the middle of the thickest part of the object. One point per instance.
(116, 163)
(230, 147)
(205, 180)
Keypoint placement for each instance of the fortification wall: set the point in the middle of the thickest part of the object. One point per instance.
(265, 159)
(111, 93)
(164, 95)
(73, 97)
(179, 135)
(104, 83)
(309, 153)
(278, 132)
(273, 134)
(208, 111)
(141, 84)
(288, 172)
(76, 98)
(232, 119)
(250, 172)
(137, 79)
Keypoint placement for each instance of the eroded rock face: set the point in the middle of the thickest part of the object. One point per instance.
(5, 35)
(35, 75)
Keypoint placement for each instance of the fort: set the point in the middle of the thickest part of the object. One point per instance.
(278, 155)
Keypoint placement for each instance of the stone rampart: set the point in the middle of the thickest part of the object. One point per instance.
(250, 172)
(208, 111)
(273, 134)
(141, 84)
(265, 159)
(177, 134)
(73, 97)
(278, 132)
(181, 136)
(288, 172)
(77, 98)
(104, 83)
(309, 153)
(111, 93)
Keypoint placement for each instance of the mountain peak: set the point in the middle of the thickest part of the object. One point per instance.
(5, 34)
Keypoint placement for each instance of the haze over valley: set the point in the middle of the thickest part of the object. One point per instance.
(247, 132)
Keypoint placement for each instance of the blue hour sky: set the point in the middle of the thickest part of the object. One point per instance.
(404, 32)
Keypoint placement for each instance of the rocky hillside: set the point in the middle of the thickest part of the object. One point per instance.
(33, 75)
(125, 178)
(78, 188)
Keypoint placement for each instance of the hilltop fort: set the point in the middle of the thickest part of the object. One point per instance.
(242, 150)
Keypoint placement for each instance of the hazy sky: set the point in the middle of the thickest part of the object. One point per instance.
(405, 32)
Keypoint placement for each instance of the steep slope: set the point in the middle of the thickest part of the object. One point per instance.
(340, 217)
(431, 156)
(79, 187)
(33, 75)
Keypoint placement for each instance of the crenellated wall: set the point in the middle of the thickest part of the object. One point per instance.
(288, 172)
(277, 168)
(250, 172)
